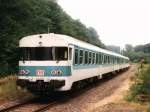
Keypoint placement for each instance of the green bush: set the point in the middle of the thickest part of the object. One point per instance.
(141, 84)
(9, 89)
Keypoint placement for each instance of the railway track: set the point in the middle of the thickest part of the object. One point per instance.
(35, 105)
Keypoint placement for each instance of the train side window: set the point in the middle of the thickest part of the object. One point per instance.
(97, 58)
(81, 57)
(108, 59)
(113, 60)
(76, 56)
(101, 58)
(104, 59)
(116, 60)
(86, 57)
(93, 58)
(70, 53)
(99, 55)
(90, 57)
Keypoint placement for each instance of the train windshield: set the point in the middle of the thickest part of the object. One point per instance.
(44, 53)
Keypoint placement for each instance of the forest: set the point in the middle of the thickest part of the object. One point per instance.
(19, 18)
(134, 53)
(138, 52)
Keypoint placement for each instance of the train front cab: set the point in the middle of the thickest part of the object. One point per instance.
(42, 67)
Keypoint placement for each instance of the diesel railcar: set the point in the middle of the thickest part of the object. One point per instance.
(56, 62)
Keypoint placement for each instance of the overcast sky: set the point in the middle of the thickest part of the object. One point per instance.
(118, 22)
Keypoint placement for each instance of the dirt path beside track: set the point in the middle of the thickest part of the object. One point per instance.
(95, 98)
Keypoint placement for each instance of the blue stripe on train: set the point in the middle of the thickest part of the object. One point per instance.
(48, 70)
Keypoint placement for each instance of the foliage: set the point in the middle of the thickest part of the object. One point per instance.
(143, 48)
(113, 48)
(19, 18)
(141, 83)
(10, 90)
(138, 52)
(128, 48)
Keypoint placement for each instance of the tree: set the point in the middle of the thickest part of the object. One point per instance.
(138, 52)
(19, 18)
(114, 48)
(128, 47)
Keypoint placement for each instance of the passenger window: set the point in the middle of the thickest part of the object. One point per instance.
(76, 56)
(90, 57)
(100, 58)
(116, 60)
(97, 58)
(70, 53)
(108, 59)
(112, 60)
(93, 58)
(86, 57)
(81, 57)
(103, 56)
(105, 59)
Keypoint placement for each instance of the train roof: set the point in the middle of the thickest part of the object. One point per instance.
(52, 39)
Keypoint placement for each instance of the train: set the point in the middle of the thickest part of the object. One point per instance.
(56, 62)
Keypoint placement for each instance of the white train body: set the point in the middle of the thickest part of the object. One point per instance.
(63, 60)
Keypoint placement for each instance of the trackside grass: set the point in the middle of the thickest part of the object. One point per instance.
(140, 83)
(9, 89)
